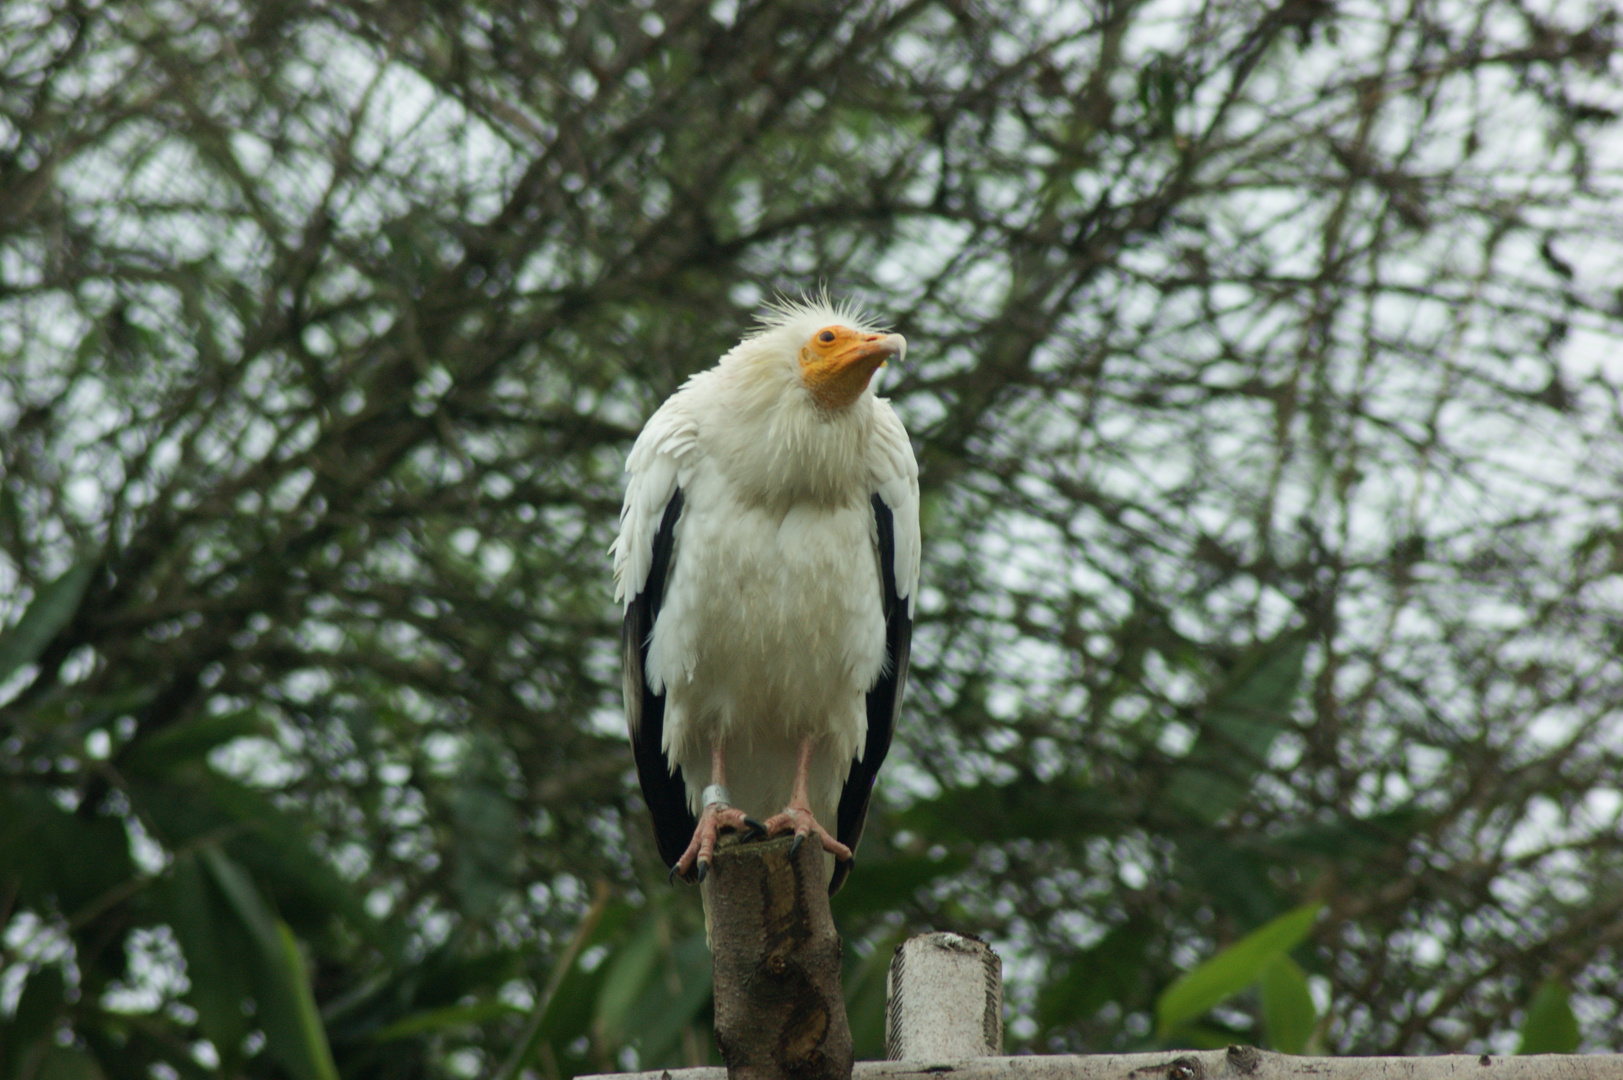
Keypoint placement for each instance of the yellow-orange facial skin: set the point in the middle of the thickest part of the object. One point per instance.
(837, 362)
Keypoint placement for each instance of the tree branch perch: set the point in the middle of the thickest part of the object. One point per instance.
(780, 1010)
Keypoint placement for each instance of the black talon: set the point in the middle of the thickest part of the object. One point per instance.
(704, 868)
(800, 838)
(755, 828)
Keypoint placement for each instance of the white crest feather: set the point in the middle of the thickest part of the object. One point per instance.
(782, 311)
(787, 322)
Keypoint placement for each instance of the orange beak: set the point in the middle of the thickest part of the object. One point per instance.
(838, 371)
(872, 349)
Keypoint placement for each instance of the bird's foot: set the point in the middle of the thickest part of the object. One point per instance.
(716, 819)
(800, 821)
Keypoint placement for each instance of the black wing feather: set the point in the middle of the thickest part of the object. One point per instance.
(663, 788)
(884, 700)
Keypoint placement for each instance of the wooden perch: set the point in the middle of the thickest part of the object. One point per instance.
(1235, 1063)
(780, 1011)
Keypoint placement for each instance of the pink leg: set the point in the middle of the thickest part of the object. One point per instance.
(797, 817)
(713, 820)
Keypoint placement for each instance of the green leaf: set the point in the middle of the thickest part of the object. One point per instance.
(68, 1063)
(1233, 969)
(1210, 1035)
(36, 1014)
(674, 999)
(35, 832)
(217, 948)
(285, 1006)
(304, 1051)
(272, 844)
(1550, 1026)
(181, 743)
(631, 968)
(51, 609)
(1288, 1013)
(447, 1018)
(1237, 729)
(239, 891)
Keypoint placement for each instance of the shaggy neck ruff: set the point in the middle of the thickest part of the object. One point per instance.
(779, 446)
(773, 438)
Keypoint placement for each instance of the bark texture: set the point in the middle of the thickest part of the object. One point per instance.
(780, 1011)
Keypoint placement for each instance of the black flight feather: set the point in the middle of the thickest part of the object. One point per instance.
(884, 700)
(662, 787)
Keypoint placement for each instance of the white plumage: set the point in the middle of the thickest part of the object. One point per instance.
(768, 560)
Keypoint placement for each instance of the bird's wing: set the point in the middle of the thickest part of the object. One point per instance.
(657, 458)
(896, 539)
(643, 554)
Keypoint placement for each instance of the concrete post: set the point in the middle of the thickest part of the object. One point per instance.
(944, 1000)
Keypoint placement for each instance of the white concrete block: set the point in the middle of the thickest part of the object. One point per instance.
(944, 1000)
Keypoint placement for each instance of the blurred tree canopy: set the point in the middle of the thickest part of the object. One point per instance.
(1266, 384)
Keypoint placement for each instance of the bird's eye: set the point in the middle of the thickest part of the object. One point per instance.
(826, 336)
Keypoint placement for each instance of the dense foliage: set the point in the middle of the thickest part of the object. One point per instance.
(1264, 378)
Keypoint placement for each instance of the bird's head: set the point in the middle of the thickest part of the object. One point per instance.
(837, 362)
(831, 349)
(793, 403)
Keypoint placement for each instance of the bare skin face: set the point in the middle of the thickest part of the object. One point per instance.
(837, 362)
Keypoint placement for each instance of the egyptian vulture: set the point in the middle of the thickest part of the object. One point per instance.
(768, 561)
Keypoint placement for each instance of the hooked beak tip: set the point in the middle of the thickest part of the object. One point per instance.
(896, 346)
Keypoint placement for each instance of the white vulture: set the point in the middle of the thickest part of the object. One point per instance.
(768, 560)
